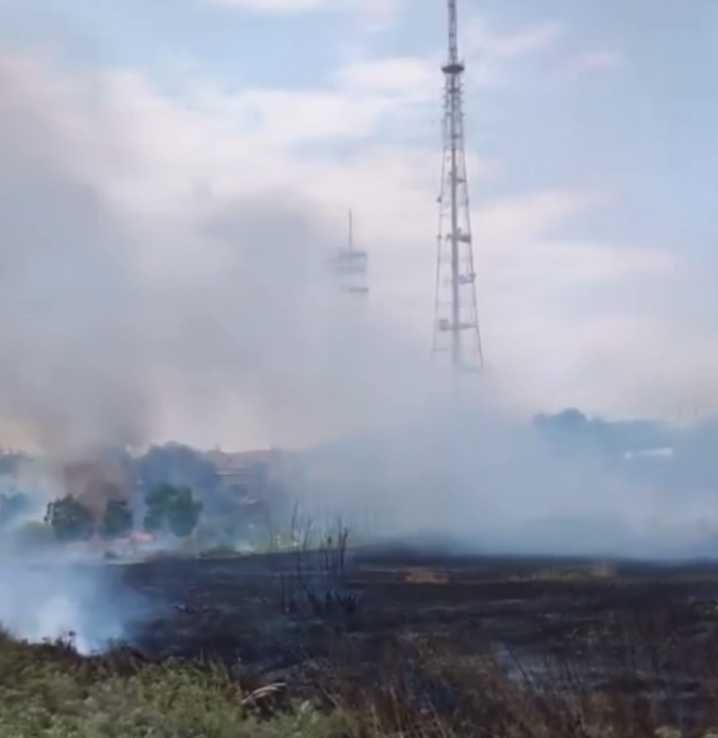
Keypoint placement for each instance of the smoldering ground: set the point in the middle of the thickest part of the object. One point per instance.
(51, 597)
(49, 591)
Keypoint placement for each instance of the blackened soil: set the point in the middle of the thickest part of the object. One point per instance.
(273, 614)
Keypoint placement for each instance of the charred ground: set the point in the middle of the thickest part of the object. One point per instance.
(643, 628)
(389, 643)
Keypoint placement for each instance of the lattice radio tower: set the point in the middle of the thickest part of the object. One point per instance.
(456, 326)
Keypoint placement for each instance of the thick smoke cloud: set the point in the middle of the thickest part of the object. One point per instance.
(469, 478)
(125, 313)
(68, 314)
(135, 310)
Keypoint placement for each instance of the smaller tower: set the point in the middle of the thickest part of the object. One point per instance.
(351, 265)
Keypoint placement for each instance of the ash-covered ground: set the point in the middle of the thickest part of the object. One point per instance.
(648, 626)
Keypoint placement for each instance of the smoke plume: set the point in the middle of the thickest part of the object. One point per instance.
(136, 313)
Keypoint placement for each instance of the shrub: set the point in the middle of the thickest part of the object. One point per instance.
(117, 521)
(172, 508)
(70, 520)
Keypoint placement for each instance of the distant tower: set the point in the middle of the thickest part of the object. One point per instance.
(351, 266)
(456, 325)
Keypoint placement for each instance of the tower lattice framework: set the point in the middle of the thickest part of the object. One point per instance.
(456, 326)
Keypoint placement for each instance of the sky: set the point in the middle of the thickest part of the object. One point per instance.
(149, 137)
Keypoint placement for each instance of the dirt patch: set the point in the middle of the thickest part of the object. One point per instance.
(426, 576)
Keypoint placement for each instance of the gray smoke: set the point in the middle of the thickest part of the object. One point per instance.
(202, 310)
(476, 481)
(119, 324)
(126, 321)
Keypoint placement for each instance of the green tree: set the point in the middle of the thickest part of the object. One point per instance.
(184, 513)
(117, 521)
(179, 466)
(155, 519)
(173, 508)
(70, 520)
(158, 501)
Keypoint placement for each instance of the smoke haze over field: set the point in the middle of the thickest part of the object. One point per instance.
(166, 217)
(472, 480)
(138, 306)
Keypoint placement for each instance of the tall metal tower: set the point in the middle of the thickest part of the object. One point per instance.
(456, 326)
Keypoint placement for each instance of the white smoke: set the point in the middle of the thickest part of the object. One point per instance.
(48, 599)
(466, 475)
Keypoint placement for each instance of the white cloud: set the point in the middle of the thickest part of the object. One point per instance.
(492, 54)
(594, 61)
(484, 41)
(540, 214)
(284, 117)
(275, 6)
(378, 13)
(409, 77)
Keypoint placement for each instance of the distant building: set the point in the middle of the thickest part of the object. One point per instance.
(248, 473)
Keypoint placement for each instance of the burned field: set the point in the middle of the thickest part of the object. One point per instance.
(648, 631)
(419, 646)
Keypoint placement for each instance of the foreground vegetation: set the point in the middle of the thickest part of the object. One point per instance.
(48, 690)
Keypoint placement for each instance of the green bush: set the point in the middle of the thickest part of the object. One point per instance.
(172, 508)
(70, 520)
(48, 691)
(117, 521)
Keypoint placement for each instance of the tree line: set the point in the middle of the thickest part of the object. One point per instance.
(168, 509)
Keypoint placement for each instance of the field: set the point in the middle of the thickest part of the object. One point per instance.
(593, 642)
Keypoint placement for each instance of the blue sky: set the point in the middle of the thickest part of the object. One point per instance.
(592, 134)
(645, 125)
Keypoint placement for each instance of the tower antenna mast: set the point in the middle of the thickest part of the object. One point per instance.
(456, 320)
(351, 265)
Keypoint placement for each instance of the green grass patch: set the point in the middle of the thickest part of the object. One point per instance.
(48, 690)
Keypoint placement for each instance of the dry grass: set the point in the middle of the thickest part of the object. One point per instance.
(422, 575)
